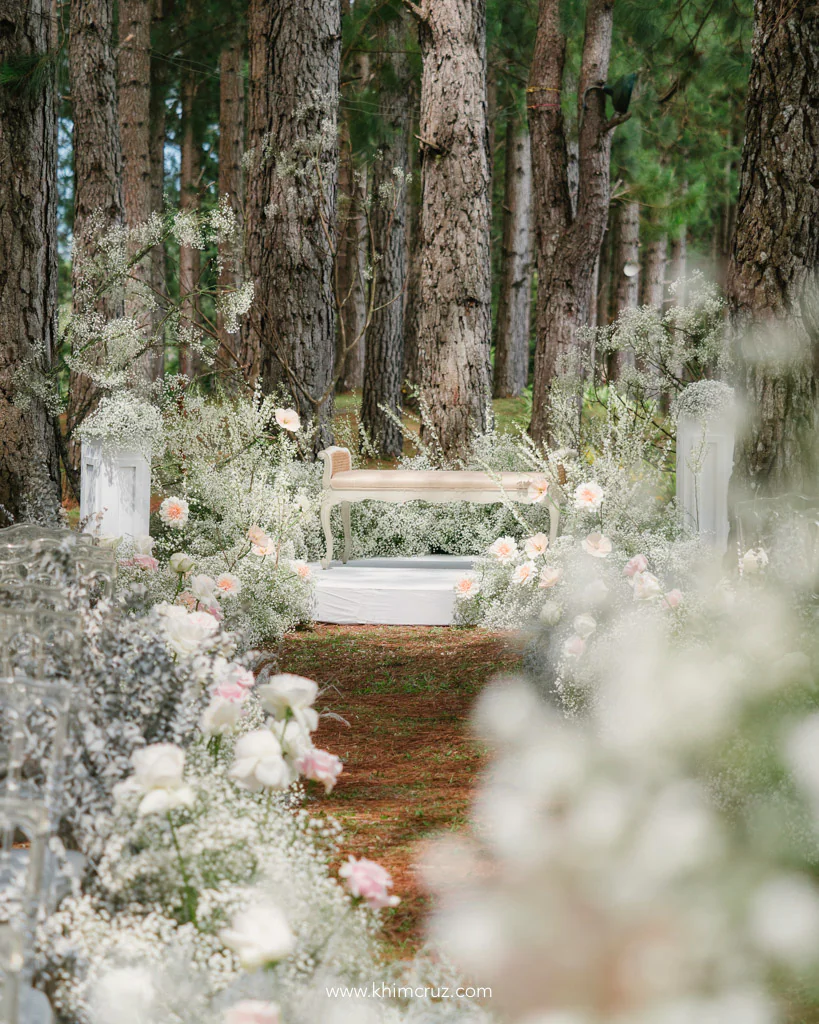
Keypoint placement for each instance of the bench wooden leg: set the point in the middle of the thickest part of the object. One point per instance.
(326, 508)
(348, 540)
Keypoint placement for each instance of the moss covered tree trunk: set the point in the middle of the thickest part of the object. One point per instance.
(772, 279)
(231, 150)
(454, 317)
(29, 466)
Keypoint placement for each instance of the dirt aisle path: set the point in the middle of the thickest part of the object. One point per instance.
(410, 762)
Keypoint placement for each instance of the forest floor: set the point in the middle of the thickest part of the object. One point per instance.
(410, 761)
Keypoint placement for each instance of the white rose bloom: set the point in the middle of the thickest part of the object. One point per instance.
(159, 775)
(551, 613)
(143, 545)
(259, 763)
(504, 549)
(588, 495)
(220, 717)
(646, 586)
(294, 738)
(203, 589)
(290, 693)
(288, 419)
(185, 633)
(181, 563)
(259, 935)
(584, 625)
(754, 560)
(123, 996)
(596, 545)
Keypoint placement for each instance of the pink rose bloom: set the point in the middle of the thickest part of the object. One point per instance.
(187, 599)
(320, 766)
(634, 565)
(368, 881)
(253, 1011)
(146, 562)
(549, 576)
(256, 535)
(673, 599)
(230, 690)
(574, 646)
(288, 419)
(237, 674)
(588, 495)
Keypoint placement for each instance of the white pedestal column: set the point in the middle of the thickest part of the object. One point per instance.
(705, 460)
(116, 483)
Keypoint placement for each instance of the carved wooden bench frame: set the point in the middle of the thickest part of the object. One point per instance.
(339, 460)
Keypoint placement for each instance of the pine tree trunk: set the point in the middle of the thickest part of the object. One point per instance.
(653, 277)
(134, 108)
(384, 365)
(411, 376)
(772, 281)
(454, 317)
(627, 257)
(155, 360)
(352, 262)
(678, 265)
(568, 242)
(29, 465)
(190, 170)
(602, 294)
(515, 300)
(97, 180)
(231, 150)
(295, 54)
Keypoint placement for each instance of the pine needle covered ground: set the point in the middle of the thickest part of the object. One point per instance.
(410, 760)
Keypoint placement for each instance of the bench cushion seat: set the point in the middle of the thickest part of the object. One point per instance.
(428, 480)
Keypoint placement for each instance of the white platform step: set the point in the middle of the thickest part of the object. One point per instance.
(390, 591)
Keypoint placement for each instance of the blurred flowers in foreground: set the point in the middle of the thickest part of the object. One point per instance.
(650, 856)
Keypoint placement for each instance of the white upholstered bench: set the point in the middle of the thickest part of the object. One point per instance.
(342, 485)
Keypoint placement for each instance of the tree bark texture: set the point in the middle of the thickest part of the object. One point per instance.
(290, 211)
(134, 108)
(351, 272)
(454, 316)
(515, 298)
(678, 265)
(627, 257)
(384, 365)
(772, 281)
(155, 360)
(653, 274)
(190, 171)
(602, 295)
(97, 179)
(231, 151)
(29, 465)
(567, 242)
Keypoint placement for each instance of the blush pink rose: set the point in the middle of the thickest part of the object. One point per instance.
(368, 881)
(574, 646)
(253, 1011)
(673, 599)
(320, 766)
(145, 562)
(634, 565)
(230, 690)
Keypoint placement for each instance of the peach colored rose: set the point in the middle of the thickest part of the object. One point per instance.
(549, 576)
(596, 545)
(229, 584)
(588, 495)
(301, 569)
(467, 586)
(538, 489)
(524, 574)
(174, 512)
(536, 545)
(504, 549)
